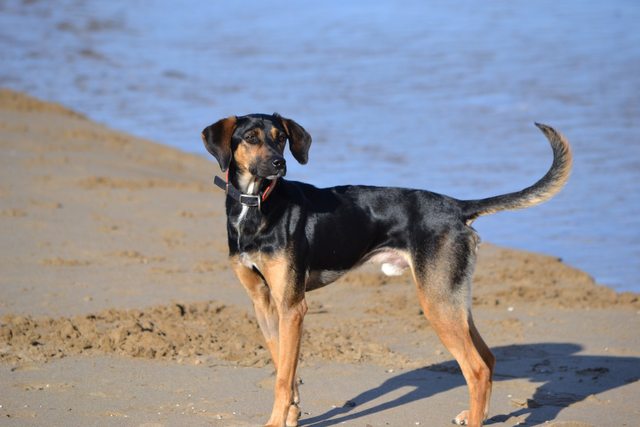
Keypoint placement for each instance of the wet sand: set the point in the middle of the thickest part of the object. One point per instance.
(118, 307)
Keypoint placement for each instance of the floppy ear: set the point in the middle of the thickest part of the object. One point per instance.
(299, 139)
(217, 140)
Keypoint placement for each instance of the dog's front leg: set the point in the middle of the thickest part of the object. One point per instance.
(264, 306)
(285, 408)
(267, 313)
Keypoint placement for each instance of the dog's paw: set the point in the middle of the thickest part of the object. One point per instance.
(462, 419)
(293, 416)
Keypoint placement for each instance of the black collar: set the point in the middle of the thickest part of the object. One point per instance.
(250, 200)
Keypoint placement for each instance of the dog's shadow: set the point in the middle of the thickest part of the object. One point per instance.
(565, 377)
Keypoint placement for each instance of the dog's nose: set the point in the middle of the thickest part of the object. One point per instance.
(279, 164)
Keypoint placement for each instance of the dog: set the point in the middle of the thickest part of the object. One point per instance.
(287, 238)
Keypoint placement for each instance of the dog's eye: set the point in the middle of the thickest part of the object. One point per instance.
(282, 138)
(251, 138)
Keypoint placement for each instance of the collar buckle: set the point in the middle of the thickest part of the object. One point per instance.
(250, 200)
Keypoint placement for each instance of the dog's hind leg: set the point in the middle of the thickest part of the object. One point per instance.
(443, 284)
(454, 326)
(487, 356)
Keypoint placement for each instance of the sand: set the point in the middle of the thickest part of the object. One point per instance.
(118, 308)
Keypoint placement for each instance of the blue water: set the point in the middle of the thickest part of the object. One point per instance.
(437, 95)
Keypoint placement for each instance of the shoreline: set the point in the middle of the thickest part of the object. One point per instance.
(114, 253)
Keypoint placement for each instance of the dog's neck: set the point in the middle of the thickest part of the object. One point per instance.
(246, 183)
(241, 184)
(246, 221)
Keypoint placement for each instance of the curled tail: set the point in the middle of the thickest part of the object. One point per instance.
(547, 187)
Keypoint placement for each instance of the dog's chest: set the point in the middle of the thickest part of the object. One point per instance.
(245, 231)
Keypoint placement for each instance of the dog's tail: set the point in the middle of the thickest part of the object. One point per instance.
(547, 187)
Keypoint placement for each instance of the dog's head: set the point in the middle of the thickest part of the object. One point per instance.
(255, 143)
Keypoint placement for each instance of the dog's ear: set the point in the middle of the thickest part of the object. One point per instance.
(299, 139)
(217, 140)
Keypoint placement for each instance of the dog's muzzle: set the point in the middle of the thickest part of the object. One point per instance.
(279, 165)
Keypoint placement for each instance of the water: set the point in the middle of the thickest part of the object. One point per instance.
(437, 95)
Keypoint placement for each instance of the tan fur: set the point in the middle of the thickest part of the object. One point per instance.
(275, 135)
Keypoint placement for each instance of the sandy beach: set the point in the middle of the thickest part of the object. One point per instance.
(118, 308)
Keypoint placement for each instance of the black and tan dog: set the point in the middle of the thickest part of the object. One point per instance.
(287, 238)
